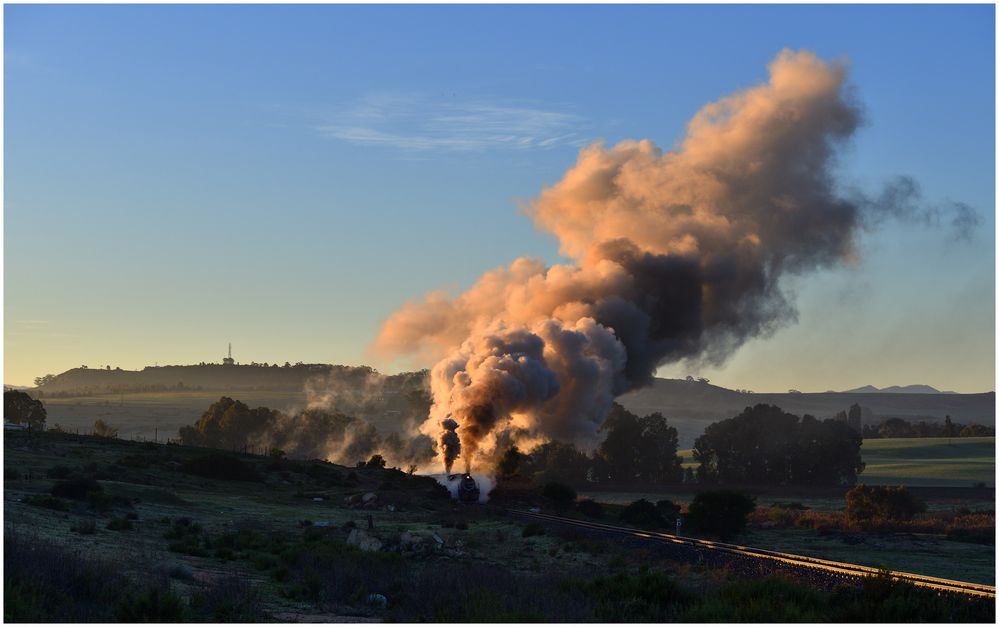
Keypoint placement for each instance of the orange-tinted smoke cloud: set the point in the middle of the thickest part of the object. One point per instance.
(675, 255)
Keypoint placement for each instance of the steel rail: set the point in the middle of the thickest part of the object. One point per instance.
(830, 566)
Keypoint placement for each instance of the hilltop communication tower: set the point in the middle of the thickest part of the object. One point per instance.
(229, 361)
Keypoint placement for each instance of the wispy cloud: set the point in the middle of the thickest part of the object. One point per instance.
(420, 123)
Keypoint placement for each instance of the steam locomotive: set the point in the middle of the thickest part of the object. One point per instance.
(468, 489)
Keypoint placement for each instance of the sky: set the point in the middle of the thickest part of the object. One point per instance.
(285, 177)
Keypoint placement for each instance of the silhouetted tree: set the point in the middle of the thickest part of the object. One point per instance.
(20, 408)
(765, 445)
(510, 462)
(638, 449)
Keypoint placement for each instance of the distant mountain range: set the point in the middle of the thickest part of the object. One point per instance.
(897, 389)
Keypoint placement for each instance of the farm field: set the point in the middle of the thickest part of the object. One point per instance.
(152, 415)
(940, 462)
(951, 462)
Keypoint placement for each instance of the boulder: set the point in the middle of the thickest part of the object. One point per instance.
(363, 541)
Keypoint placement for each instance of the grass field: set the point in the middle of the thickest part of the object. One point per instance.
(942, 462)
(930, 461)
(149, 415)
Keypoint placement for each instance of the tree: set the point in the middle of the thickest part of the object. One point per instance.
(720, 513)
(510, 461)
(46, 380)
(20, 408)
(376, 461)
(765, 445)
(638, 449)
(557, 461)
(866, 505)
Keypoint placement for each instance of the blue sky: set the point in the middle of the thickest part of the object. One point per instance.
(284, 177)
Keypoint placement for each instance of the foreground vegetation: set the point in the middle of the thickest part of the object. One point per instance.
(98, 529)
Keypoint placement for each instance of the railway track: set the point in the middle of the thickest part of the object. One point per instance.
(840, 569)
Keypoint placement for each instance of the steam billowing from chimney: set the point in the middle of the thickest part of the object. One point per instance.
(675, 255)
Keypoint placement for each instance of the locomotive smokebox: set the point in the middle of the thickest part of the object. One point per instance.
(468, 490)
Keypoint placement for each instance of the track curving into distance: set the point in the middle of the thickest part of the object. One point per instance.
(828, 566)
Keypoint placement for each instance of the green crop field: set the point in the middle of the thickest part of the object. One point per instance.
(948, 462)
(938, 462)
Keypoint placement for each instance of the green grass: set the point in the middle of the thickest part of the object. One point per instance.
(930, 461)
(941, 462)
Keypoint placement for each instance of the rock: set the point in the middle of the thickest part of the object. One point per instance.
(438, 540)
(390, 508)
(363, 541)
(377, 600)
(321, 523)
(369, 497)
(409, 541)
(317, 499)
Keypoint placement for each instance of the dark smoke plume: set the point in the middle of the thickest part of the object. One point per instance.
(676, 255)
(450, 444)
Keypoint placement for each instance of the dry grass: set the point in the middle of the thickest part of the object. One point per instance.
(958, 525)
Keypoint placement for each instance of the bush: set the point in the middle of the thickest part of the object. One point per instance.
(154, 604)
(866, 505)
(230, 599)
(669, 510)
(11, 474)
(533, 529)
(221, 466)
(50, 583)
(560, 494)
(645, 597)
(78, 488)
(720, 513)
(768, 600)
(642, 513)
(590, 508)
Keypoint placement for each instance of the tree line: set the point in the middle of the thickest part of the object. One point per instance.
(762, 445)
(901, 428)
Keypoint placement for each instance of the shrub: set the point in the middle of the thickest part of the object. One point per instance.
(668, 510)
(590, 508)
(560, 494)
(767, 600)
(642, 513)
(78, 488)
(645, 597)
(50, 583)
(720, 513)
(221, 466)
(230, 599)
(154, 604)
(533, 529)
(866, 505)
(11, 474)
(104, 430)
